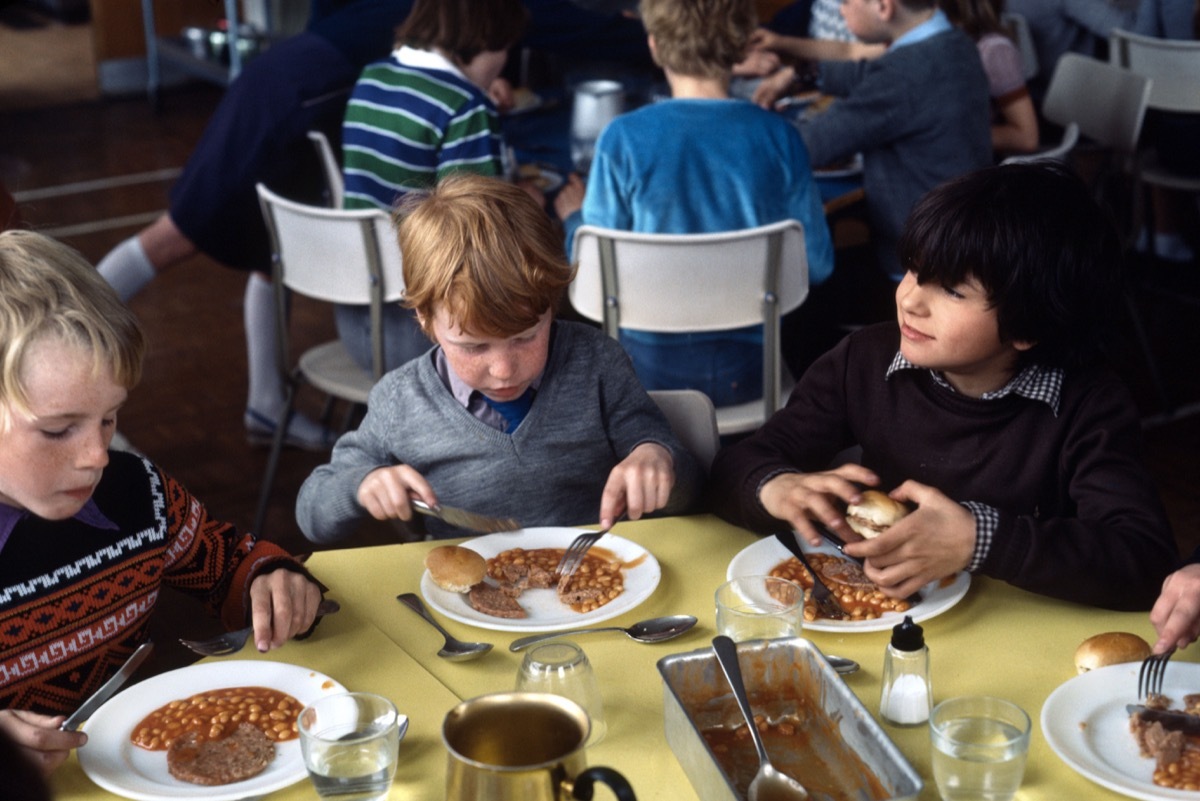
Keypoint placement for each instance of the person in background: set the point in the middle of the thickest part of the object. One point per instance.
(417, 116)
(700, 162)
(88, 535)
(512, 413)
(1014, 119)
(259, 133)
(918, 113)
(986, 404)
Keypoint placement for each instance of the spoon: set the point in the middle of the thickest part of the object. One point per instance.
(656, 629)
(769, 784)
(841, 664)
(454, 650)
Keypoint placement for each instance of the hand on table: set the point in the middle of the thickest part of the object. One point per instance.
(934, 541)
(1176, 613)
(283, 603)
(570, 198)
(774, 87)
(641, 483)
(39, 738)
(800, 498)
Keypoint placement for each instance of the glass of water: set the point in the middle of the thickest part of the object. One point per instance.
(979, 748)
(759, 608)
(350, 743)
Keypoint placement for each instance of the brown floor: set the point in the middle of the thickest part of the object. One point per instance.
(186, 415)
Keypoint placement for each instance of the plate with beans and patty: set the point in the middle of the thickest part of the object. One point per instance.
(879, 613)
(113, 760)
(620, 562)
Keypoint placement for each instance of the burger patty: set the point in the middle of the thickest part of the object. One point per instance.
(494, 601)
(240, 756)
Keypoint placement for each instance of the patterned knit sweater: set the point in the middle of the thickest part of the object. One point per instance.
(75, 599)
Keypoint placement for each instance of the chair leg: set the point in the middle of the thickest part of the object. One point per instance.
(268, 482)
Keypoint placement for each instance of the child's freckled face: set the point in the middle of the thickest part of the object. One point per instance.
(50, 463)
(500, 368)
(954, 330)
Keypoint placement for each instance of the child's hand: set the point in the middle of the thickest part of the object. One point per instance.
(501, 93)
(39, 738)
(384, 493)
(774, 87)
(570, 198)
(640, 484)
(283, 603)
(800, 498)
(1176, 613)
(935, 541)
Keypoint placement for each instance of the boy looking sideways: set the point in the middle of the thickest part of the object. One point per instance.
(88, 536)
(985, 405)
(512, 414)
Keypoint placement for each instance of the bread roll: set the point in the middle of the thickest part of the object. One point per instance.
(455, 568)
(874, 514)
(1110, 648)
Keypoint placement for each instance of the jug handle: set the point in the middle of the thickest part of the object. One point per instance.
(583, 787)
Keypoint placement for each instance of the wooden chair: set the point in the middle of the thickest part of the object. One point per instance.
(334, 256)
(676, 283)
(693, 421)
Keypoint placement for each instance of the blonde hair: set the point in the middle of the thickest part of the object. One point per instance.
(49, 289)
(700, 38)
(483, 250)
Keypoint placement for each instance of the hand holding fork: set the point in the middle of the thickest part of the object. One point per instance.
(573, 557)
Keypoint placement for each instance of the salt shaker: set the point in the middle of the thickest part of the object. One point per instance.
(907, 695)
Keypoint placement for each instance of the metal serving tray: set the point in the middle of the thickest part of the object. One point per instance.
(786, 679)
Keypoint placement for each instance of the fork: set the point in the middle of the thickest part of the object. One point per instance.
(233, 641)
(573, 557)
(827, 603)
(1154, 670)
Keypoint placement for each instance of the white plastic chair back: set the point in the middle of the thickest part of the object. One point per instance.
(330, 167)
(1173, 65)
(1106, 102)
(1024, 39)
(1059, 152)
(693, 421)
(676, 283)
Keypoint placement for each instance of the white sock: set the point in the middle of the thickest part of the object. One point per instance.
(266, 382)
(126, 268)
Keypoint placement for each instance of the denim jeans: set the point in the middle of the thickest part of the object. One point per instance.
(725, 365)
(403, 338)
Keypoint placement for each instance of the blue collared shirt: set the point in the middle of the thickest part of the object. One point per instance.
(89, 515)
(938, 23)
(472, 399)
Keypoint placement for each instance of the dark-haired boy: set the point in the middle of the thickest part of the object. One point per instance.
(985, 405)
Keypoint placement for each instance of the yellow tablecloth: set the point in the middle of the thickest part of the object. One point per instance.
(998, 641)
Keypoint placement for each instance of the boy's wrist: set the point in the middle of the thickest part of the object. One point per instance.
(987, 521)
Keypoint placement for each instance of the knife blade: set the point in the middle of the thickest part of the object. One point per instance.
(1169, 718)
(108, 688)
(840, 544)
(464, 519)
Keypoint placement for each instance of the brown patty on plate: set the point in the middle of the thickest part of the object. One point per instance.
(240, 756)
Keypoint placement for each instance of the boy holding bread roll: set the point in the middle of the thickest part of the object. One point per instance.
(512, 414)
(985, 407)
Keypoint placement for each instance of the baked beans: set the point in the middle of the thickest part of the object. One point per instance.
(214, 715)
(862, 601)
(596, 572)
(1184, 774)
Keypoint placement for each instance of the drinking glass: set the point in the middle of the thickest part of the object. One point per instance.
(759, 608)
(562, 668)
(350, 743)
(595, 104)
(979, 748)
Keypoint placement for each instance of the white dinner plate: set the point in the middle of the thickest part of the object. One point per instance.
(759, 559)
(546, 612)
(546, 179)
(525, 100)
(1085, 722)
(116, 764)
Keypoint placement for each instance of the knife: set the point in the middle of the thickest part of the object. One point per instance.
(840, 544)
(1170, 719)
(108, 688)
(464, 519)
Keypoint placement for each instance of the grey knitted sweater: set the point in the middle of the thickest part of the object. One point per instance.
(590, 412)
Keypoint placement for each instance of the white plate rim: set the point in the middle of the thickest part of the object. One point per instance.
(111, 761)
(855, 167)
(640, 582)
(1085, 723)
(759, 557)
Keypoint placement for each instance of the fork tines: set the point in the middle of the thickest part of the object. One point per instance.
(573, 557)
(1152, 673)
